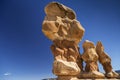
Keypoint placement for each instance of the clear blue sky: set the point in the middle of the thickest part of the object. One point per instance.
(24, 50)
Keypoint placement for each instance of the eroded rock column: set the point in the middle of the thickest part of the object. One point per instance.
(90, 57)
(62, 28)
(105, 60)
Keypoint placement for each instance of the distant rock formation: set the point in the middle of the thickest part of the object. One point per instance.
(118, 71)
(62, 28)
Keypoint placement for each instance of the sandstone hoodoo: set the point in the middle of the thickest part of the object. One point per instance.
(105, 60)
(62, 28)
(90, 57)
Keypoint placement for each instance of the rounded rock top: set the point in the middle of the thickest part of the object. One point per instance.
(57, 9)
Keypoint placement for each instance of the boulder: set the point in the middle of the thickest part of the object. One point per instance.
(65, 68)
(60, 23)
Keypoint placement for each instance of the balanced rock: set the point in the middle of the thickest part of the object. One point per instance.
(61, 27)
(60, 23)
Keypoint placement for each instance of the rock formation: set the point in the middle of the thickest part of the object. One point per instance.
(105, 60)
(90, 57)
(62, 28)
(60, 23)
